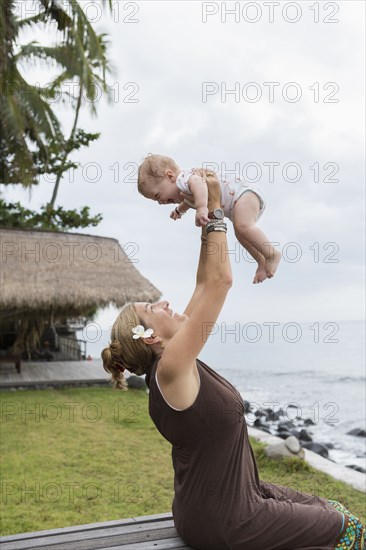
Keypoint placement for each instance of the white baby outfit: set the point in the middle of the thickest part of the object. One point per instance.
(231, 191)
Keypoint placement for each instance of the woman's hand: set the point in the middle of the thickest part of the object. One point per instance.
(214, 196)
(213, 187)
(214, 191)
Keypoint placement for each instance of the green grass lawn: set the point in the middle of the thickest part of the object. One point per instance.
(85, 455)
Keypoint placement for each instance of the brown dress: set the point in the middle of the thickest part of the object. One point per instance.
(219, 501)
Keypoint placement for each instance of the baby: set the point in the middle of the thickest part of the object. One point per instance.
(162, 180)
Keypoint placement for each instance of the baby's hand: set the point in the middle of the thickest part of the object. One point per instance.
(202, 216)
(175, 215)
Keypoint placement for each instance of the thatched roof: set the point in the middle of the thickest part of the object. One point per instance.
(70, 271)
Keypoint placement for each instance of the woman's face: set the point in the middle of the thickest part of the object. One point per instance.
(160, 317)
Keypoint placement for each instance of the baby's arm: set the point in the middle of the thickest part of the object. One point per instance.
(198, 188)
(179, 210)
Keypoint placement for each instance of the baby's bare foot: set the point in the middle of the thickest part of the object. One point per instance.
(272, 264)
(260, 274)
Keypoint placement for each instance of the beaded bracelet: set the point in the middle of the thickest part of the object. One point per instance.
(222, 227)
(214, 223)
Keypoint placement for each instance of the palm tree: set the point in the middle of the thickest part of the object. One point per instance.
(28, 125)
(24, 112)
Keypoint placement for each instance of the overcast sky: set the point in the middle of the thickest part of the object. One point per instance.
(173, 62)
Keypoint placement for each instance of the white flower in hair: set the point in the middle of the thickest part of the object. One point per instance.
(140, 332)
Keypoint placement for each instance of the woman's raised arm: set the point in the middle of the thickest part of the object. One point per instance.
(214, 279)
(213, 202)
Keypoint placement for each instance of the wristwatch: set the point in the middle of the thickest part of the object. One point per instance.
(216, 214)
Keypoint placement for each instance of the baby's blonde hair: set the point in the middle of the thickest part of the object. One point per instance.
(124, 351)
(152, 169)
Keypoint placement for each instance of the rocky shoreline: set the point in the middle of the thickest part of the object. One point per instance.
(274, 423)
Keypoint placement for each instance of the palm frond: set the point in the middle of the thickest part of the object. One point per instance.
(16, 160)
(32, 102)
(56, 13)
(30, 21)
(58, 54)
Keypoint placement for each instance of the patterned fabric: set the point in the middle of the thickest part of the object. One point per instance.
(231, 191)
(352, 536)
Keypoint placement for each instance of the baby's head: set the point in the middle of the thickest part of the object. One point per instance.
(156, 179)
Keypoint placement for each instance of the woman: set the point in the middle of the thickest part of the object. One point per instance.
(219, 502)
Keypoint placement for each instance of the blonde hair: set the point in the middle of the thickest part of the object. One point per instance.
(124, 352)
(152, 169)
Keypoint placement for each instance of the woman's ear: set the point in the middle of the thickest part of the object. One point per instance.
(153, 339)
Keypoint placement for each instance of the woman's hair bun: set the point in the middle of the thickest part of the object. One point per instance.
(112, 363)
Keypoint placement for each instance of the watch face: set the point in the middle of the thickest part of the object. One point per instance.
(219, 213)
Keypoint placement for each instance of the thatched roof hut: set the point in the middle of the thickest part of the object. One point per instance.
(71, 272)
(48, 276)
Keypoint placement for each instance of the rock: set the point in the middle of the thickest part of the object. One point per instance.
(278, 414)
(358, 432)
(293, 444)
(329, 445)
(285, 425)
(286, 429)
(246, 406)
(284, 434)
(309, 422)
(258, 423)
(278, 450)
(358, 468)
(272, 415)
(305, 436)
(318, 448)
(136, 382)
(261, 425)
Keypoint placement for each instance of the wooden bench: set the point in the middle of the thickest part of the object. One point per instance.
(141, 533)
(9, 358)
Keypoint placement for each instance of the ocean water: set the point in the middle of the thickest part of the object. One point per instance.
(324, 378)
(318, 368)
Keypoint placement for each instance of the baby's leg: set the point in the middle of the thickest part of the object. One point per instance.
(245, 215)
(260, 274)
